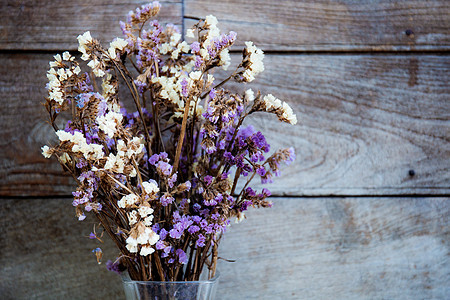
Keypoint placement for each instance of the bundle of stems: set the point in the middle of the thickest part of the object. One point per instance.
(162, 181)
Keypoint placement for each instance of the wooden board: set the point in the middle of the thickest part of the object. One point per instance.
(354, 248)
(54, 25)
(364, 123)
(327, 25)
(46, 253)
(314, 248)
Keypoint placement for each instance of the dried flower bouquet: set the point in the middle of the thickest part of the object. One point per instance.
(162, 181)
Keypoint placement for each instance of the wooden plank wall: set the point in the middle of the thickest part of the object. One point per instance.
(362, 214)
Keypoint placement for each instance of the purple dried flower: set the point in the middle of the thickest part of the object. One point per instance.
(166, 199)
(164, 168)
(175, 234)
(184, 87)
(156, 227)
(193, 229)
(212, 93)
(291, 156)
(172, 180)
(195, 46)
(160, 245)
(266, 192)
(113, 267)
(163, 234)
(182, 257)
(261, 171)
(200, 241)
(203, 223)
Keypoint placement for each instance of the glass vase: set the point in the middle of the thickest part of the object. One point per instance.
(170, 290)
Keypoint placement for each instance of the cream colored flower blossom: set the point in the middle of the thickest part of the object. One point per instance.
(195, 75)
(128, 201)
(132, 244)
(64, 158)
(254, 57)
(150, 187)
(148, 220)
(146, 250)
(96, 67)
(77, 70)
(132, 218)
(84, 40)
(117, 44)
(165, 48)
(66, 56)
(144, 211)
(174, 39)
(46, 151)
(108, 123)
(211, 20)
(190, 33)
(288, 114)
(249, 95)
(225, 59)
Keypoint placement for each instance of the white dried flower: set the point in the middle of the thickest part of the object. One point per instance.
(132, 244)
(66, 56)
(132, 217)
(84, 40)
(96, 67)
(190, 33)
(271, 102)
(64, 158)
(77, 70)
(117, 44)
(128, 201)
(148, 221)
(144, 211)
(211, 21)
(108, 123)
(254, 57)
(288, 114)
(46, 151)
(146, 250)
(249, 95)
(150, 187)
(195, 75)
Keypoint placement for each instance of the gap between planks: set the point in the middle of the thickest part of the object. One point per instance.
(271, 197)
(271, 52)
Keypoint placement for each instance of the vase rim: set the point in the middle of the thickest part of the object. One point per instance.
(126, 279)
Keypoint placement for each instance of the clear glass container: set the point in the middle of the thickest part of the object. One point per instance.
(170, 290)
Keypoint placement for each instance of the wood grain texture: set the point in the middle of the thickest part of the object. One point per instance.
(372, 248)
(314, 248)
(46, 253)
(54, 25)
(364, 123)
(330, 25)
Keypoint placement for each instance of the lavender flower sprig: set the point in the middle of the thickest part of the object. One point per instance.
(162, 180)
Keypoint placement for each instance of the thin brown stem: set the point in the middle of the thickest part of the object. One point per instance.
(182, 133)
(159, 266)
(135, 96)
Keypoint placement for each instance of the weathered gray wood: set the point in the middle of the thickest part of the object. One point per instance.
(364, 123)
(45, 253)
(302, 248)
(331, 25)
(54, 25)
(354, 248)
(367, 120)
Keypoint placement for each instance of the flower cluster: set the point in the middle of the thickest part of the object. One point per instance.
(163, 180)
